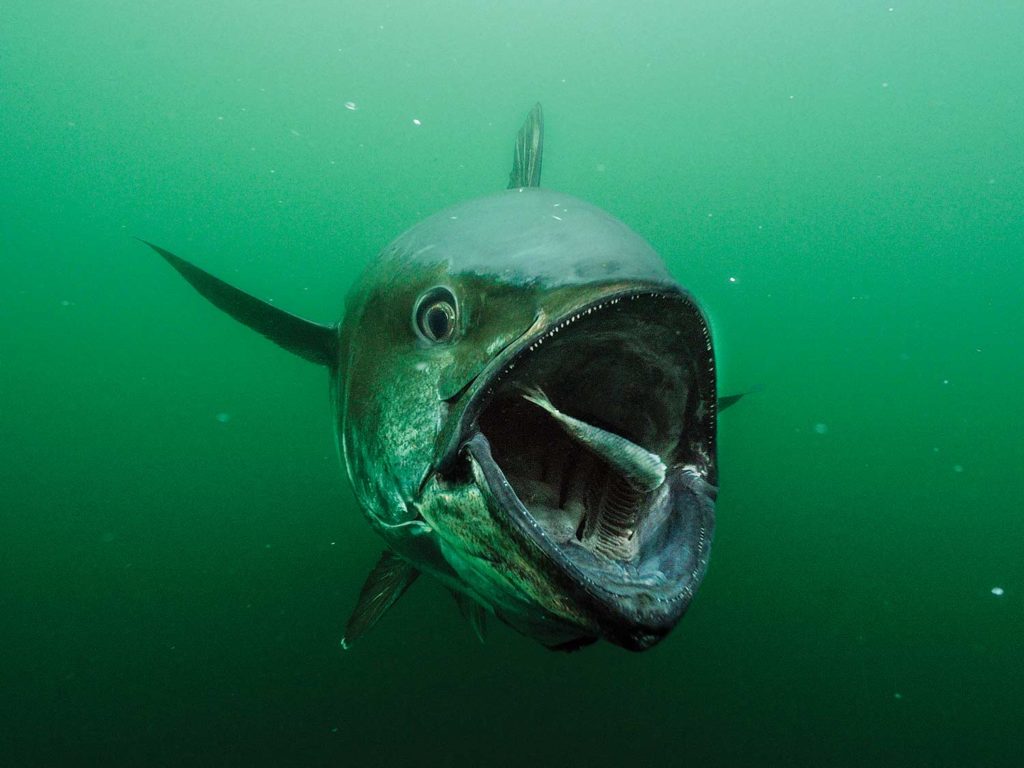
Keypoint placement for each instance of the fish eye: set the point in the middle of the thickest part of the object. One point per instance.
(435, 317)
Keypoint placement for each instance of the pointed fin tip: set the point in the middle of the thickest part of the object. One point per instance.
(727, 401)
(387, 582)
(311, 341)
(472, 612)
(481, 633)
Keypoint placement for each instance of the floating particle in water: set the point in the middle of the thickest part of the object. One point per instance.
(416, 121)
(223, 417)
(821, 428)
(732, 279)
(351, 106)
(998, 591)
(958, 468)
(600, 167)
(65, 303)
(897, 695)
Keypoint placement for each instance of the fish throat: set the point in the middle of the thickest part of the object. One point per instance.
(608, 524)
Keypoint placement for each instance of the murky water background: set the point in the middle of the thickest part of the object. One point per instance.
(841, 184)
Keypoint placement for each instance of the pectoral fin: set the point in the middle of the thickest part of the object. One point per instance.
(729, 400)
(472, 612)
(386, 583)
(316, 343)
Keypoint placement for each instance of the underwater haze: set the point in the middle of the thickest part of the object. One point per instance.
(839, 182)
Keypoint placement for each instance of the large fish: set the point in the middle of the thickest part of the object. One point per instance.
(525, 402)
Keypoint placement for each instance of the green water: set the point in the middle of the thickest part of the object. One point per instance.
(842, 185)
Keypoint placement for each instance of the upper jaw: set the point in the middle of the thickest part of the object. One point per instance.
(639, 361)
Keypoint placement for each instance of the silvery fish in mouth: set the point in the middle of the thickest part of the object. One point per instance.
(525, 402)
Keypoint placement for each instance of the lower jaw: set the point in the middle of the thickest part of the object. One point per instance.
(633, 602)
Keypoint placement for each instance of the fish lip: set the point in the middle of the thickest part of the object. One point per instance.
(633, 615)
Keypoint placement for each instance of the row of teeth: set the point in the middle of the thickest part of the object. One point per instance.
(570, 320)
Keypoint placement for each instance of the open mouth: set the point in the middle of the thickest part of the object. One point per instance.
(595, 438)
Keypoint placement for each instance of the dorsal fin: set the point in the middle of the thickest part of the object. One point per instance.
(316, 343)
(529, 151)
(387, 582)
(472, 612)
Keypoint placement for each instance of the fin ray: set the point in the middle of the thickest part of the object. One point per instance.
(529, 151)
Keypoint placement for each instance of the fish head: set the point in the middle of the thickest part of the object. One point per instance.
(521, 291)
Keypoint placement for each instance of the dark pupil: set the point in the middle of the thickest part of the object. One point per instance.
(438, 321)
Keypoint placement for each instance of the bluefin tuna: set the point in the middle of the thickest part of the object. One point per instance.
(525, 402)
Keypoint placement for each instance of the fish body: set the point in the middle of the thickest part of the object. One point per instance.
(567, 536)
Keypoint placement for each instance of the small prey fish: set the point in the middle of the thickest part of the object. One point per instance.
(643, 470)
